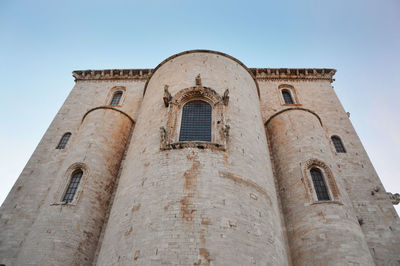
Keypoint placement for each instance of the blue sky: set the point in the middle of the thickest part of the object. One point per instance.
(42, 42)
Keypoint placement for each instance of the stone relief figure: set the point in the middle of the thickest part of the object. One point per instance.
(163, 134)
(225, 98)
(167, 96)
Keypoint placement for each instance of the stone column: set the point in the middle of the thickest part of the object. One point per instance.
(319, 232)
(189, 204)
(67, 234)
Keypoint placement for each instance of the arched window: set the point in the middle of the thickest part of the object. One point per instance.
(319, 184)
(337, 142)
(196, 122)
(116, 98)
(64, 140)
(73, 186)
(287, 97)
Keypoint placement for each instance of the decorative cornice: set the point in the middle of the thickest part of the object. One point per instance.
(294, 73)
(112, 74)
(259, 74)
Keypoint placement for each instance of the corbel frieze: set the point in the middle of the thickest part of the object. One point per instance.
(293, 73)
(259, 73)
(112, 74)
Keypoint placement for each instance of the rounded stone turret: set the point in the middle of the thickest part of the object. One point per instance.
(67, 233)
(197, 202)
(320, 230)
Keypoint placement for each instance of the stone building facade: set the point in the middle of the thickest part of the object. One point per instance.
(276, 176)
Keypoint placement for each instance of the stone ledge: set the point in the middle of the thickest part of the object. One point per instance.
(112, 74)
(193, 144)
(294, 73)
(259, 74)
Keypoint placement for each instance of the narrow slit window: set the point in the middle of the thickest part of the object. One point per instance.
(287, 97)
(196, 122)
(64, 140)
(319, 184)
(73, 186)
(337, 142)
(116, 98)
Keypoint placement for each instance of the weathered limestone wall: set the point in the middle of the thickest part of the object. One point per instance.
(380, 222)
(319, 232)
(67, 234)
(28, 196)
(194, 206)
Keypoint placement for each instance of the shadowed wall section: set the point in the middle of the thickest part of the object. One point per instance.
(67, 234)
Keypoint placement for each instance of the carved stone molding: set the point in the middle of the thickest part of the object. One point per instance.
(293, 73)
(259, 73)
(169, 135)
(112, 74)
(394, 198)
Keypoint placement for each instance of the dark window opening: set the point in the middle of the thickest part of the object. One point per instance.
(319, 184)
(196, 122)
(73, 186)
(116, 98)
(337, 142)
(287, 97)
(64, 140)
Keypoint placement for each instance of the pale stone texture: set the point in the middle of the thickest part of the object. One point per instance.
(380, 222)
(317, 231)
(191, 206)
(46, 167)
(209, 204)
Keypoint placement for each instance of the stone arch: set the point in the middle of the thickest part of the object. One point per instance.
(203, 51)
(202, 93)
(110, 108)
(328, 175)
(291, 109)
(292, 91)
(65, 181)
(114, 90)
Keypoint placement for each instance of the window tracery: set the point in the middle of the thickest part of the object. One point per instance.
(209, 119)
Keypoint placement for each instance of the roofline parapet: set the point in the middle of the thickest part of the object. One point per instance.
(112, 74)
(259, 74)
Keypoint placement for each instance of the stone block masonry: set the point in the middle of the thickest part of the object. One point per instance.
(247, 197)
